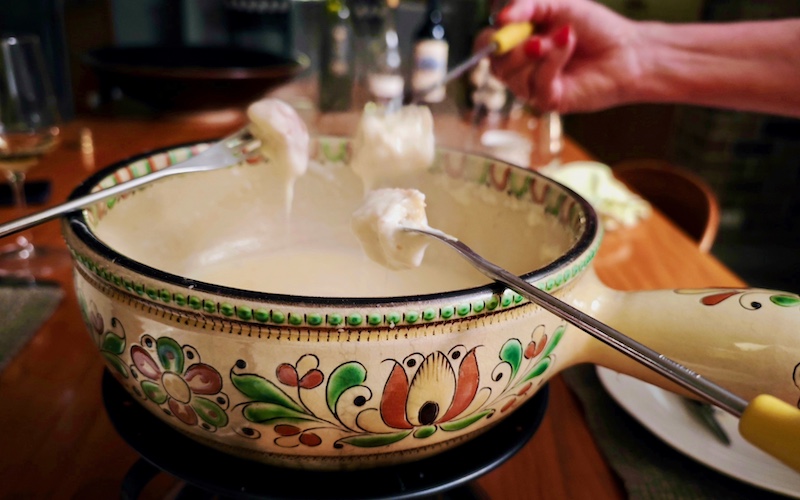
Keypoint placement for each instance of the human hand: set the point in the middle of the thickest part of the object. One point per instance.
(582, 56)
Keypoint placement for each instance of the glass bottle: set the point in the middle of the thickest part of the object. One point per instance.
(431, 51)
(385, 80)
(336, 62)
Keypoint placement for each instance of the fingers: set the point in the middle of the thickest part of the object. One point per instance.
(506, 66)
(533, 71)
(516, 11)
(540, 11)
(548, 84)
(518, 78)
(483, 39)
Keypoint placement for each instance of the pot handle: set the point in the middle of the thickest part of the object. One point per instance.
(774, 426)
(746, 340)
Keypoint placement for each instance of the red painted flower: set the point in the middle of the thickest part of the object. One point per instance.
(186, 389)
(304, 437)
(307, 365)
(435, 394)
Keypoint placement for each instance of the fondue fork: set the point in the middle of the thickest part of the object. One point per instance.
(232, 150)
(766, 421)
(502, 41)
(704, 413)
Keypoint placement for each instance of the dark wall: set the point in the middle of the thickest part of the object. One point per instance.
(44, 18)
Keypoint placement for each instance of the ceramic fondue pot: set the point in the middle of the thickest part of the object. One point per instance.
(265, 332)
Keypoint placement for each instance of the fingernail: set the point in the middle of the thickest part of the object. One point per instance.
(561, 38)
(533, 47)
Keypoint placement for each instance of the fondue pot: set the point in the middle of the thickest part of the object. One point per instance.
(269, 336)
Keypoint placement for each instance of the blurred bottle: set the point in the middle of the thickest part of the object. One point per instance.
(431, 51)
(261, 24)
(385, 80)
(368, 17)
(489, 97)
(336, 63)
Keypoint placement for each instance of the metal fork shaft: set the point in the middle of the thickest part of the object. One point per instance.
(223, 154)
(659, 363)
(32, 220)
(454, 73)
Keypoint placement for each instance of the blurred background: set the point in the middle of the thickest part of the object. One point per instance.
(751, 161)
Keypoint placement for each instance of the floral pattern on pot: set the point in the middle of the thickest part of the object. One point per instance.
(525, 364)
(422, 395)
(111, 342)
(173, 377)
(714, 296)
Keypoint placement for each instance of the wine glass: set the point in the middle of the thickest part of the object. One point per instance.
(29, 127)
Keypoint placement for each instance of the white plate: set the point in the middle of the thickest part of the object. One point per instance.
(666, 416)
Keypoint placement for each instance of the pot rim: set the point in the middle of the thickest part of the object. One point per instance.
(77, 223)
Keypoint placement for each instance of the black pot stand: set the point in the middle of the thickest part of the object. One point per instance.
(209, 473)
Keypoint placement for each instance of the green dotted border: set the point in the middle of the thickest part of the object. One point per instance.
(270, 316)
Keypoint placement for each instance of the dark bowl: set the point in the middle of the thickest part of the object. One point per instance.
(191, 77)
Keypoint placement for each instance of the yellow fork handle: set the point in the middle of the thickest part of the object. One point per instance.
(774, 426)
(511, 35)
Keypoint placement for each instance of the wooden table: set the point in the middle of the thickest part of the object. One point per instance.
(57, 442)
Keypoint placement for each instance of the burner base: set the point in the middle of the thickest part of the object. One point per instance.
(446, 475)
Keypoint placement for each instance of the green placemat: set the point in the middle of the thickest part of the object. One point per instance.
(649, 468)
(23, 309)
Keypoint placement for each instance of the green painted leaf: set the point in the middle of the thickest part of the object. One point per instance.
(154, 392)
(463, 423)
(483, 179)
(511, 353)
(344, 377)
(785, 300)
(170, 354)
(554, 340)
(538, 368)
(375, 440)
(210, 412)
(424, 432)
(261, 389)
(522, 188)
(117, 363)
(554, 205)
(113, 343)
(270, 412)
